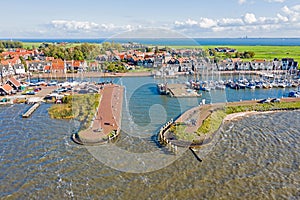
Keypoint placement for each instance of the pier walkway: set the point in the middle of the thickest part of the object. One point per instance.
(107, 120)
(180, 90)
(29, 112)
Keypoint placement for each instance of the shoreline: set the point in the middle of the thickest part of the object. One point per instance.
(207, 110)
(140, 74)
(91, 75)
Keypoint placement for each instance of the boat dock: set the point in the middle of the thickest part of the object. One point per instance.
(29, 112)
(181, 90)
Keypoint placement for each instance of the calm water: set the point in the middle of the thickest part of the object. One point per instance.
(255, 158)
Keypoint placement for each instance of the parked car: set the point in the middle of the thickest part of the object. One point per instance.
(265, 101)
(37, 89)
(4, 100)
(275, 100)
(30, 93)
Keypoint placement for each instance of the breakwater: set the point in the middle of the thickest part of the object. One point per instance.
(106, 124)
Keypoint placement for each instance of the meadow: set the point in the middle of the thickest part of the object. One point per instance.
(261, 52)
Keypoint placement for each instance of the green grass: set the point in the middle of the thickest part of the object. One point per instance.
(261, 52)
(212, 123)
(79, 107)
(180, 133)
(141, 69)
(262, 107)
(29, 45)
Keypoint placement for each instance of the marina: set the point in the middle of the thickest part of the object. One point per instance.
(212, 121)
(252, 146)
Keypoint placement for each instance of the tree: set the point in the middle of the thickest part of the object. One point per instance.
(23, 62)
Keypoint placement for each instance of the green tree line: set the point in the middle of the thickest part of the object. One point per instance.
(5, 44)
(82, 52)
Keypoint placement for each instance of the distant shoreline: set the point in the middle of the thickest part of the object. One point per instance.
(172, 41)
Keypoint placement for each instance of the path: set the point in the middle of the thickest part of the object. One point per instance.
(108, 116)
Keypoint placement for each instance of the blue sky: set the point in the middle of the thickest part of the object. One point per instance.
(192, 18)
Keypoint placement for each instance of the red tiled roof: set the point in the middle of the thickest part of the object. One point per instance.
(7, 88)
(58, 65)
(76, 63)
(4, 62)
(259, 61)
(47, 67)
(49, 58)
(14, 81)
(121, 56)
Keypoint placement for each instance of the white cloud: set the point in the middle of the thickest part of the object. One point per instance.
(293, 14)
(296, 8)
(248, 24)
(207, 23)
(242, 1)
(275, 1)
(230, 22)
(81, 27)
(282, 18)
(250, 18)
(287, 19)
(191, 22)
(73, 25)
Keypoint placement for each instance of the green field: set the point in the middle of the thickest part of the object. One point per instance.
(261, 52)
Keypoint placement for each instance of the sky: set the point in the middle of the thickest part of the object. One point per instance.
(113, 18)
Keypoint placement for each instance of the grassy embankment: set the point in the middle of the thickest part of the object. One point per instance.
(79, 107)
(213, 122)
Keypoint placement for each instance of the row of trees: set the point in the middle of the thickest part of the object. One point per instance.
(106, 46)
(82, 52)
(10, 45)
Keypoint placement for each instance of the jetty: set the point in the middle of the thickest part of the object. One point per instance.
(29, 112)
(194, 118)
(106, 125)
(181, 90)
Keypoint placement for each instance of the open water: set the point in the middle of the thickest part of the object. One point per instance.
(254, 158)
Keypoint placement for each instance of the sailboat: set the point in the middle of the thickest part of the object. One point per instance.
(162, 87)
